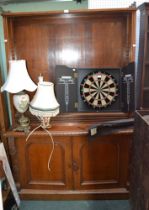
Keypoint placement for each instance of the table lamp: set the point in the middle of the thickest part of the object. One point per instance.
(17, 81)
(44, 104)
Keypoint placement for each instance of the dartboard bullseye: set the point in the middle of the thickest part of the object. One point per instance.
(99, 89)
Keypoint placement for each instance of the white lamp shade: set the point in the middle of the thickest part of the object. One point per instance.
(18, 78)
(44, 99)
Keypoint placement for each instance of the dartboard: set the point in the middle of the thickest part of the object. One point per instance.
(99, 89)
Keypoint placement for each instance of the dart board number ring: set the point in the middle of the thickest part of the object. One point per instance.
(99, 89)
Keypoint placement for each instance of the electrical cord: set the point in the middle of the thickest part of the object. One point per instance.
(51, 153)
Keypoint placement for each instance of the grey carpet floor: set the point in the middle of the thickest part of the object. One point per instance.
(76, 205)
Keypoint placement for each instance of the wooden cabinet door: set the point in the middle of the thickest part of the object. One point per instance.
(33, 159)
(101, 163)
(139, 182)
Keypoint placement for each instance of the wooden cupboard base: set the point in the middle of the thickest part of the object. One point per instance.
(116, 193)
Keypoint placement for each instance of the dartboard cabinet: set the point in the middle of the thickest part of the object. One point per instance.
(95, 89)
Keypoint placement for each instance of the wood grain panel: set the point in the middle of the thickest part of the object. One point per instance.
(33, 46)
(33, 163)
(101, 163)
(109, 40)
(37, 156)
(77, 41)
(106, 158)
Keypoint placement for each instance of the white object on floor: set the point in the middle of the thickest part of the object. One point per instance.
(8, 173)
(1, 198)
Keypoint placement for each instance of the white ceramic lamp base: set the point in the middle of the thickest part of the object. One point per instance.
(21, 103)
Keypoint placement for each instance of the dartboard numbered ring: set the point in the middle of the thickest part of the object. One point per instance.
(99, 89)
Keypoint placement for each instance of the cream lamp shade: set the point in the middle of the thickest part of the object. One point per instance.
(18, 78)
(44, 104)
(17, 81)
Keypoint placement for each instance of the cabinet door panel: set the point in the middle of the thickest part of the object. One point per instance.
(33, 162)
(102, 163)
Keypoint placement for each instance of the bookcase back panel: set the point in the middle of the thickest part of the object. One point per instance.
(79, 39)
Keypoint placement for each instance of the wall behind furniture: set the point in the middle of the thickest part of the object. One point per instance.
(33, 7)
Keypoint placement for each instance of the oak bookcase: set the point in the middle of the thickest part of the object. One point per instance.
(80, 168)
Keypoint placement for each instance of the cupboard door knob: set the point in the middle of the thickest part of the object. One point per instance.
(75, 166)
